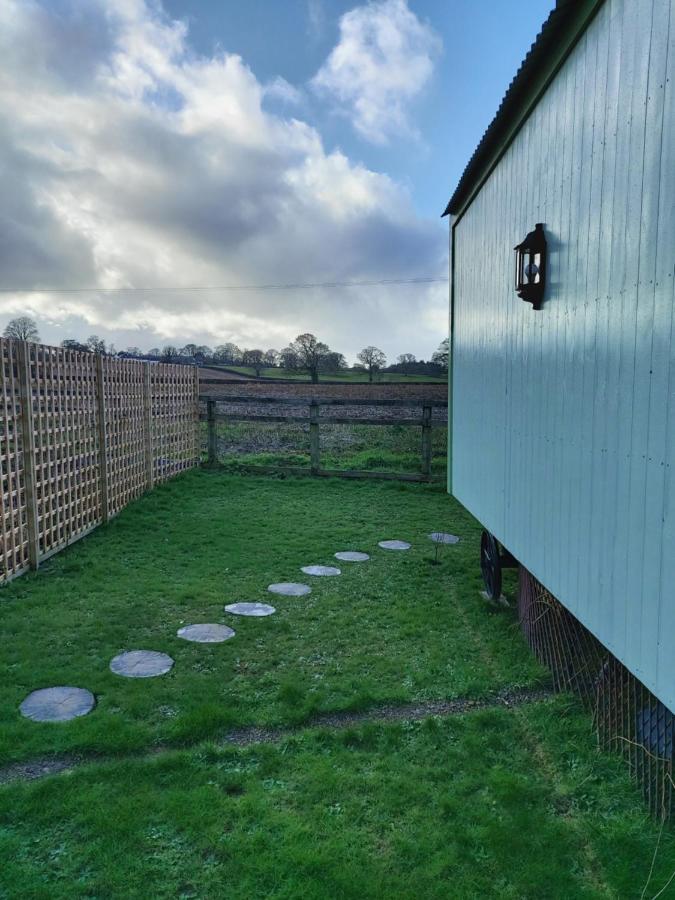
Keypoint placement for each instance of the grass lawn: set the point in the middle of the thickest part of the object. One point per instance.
(358, 377)
(493, 803)
(377, 448)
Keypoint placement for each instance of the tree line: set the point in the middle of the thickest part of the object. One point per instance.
(305, 354)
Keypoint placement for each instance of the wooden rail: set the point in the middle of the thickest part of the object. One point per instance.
(314, 404)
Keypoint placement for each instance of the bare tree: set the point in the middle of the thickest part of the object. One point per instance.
(229, 354)
(441, 355)
(272, 358)
(169, 353)
(373, 359)
(406, 359)
(310, 352)
(96, 344)
(288, 359)
(333, 362)
(189, 350)
(255, 359)
(70, 344)
(23, 328)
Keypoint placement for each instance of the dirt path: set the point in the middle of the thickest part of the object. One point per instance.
(245, 737)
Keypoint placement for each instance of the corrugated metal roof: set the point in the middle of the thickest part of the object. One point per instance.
(563, 24)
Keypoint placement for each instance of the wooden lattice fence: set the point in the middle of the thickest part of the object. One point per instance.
(81, 435)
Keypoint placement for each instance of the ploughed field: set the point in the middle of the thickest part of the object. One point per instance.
(384, 735)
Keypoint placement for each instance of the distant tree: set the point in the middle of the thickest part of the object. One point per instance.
(373, 360)
(441, 355)
(69, 344)
(189, 350)
(203, 353)
(333, 362)
(154, 351)
(133, 351)
(255, 359)
(96, 344)
(169, 353)
(288, 359)
(310, 352)
(272, 358)
(406, 359)
(23, 328)
(229, 354)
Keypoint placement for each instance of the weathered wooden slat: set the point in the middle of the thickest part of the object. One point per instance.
(426, 441)
(323, 420)
(28, 447)
(324, 401)
(314, 444)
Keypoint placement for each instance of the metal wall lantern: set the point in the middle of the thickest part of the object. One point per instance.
(531, 267)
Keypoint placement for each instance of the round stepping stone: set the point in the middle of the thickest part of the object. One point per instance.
(57, 704)
(250, 609)
(206, 634)
(289, 589)
(394, 545)
(351, 556)
(321, 570)
(141, 664)
(441, 537)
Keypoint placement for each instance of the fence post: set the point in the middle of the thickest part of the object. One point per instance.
(426, 441)
(212, 458)
(314, 446)
(197, 425)
(28, 451)
(102, 438)
(147, 409)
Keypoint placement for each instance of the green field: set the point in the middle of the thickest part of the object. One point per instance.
(505, 801)
(374, 448)
(358, 377)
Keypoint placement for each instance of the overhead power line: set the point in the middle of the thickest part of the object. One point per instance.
(225, 287)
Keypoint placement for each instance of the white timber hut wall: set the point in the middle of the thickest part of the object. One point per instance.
(563, 420)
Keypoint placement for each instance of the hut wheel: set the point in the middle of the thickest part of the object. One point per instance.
(491, 565)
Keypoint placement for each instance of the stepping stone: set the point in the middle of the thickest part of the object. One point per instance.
(57, 704)
(351, 556)
(141, 664)
(206, 634)
(441, 537)
(321, 570)
(290, 589)
(250, 609)
(394, 545)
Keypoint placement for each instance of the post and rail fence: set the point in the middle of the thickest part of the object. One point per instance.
(81, 435)
(313, 406)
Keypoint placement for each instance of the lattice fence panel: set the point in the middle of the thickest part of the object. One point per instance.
(125, 430)
(65, 426)
(628, 718)
(14, 549)
(80, 437)
(174, 391)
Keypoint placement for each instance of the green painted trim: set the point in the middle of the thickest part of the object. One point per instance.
(574, 31)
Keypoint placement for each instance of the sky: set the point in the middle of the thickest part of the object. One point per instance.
(165, 167)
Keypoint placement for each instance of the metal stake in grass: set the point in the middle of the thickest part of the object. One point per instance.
(440, 539)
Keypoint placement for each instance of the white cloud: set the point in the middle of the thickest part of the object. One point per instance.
(127, 160)
(383, 60)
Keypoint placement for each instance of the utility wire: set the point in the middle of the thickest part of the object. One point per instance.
(226, 287)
